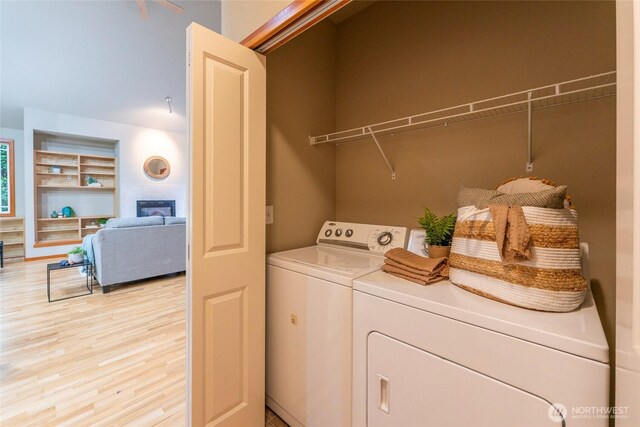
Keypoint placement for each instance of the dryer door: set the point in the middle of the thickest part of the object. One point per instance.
(411, 387)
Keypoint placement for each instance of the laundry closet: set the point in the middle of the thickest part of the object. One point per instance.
(380, 61)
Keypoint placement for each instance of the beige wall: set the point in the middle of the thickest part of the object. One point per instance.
(400, 58)
(239, 18)
(396, 59)
(300, 101)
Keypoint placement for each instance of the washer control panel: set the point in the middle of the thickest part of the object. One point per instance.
(366, 237)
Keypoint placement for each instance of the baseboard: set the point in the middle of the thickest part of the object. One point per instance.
(282, 413)
(38, 258)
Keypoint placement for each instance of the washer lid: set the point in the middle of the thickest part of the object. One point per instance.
(334, 264)
(578, 332)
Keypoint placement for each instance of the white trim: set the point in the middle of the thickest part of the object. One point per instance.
(635, 216)
(11, 178)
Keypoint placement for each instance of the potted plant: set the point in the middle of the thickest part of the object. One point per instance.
(439, 232)
(102, 222)
(76, 255)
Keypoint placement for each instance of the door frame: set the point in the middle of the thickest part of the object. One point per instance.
(627, 344)
(290, 22)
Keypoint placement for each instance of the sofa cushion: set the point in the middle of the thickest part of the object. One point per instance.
(144, 221)
(171, 220)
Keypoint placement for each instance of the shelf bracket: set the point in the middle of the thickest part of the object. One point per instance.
(529, 167)
(373, 135)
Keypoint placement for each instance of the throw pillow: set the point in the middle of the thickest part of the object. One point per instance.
(172, 220)
(552, 198)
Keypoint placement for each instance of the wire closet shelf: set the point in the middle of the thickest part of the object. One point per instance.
(572, 91)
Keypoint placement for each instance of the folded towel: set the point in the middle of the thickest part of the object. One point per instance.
(512, 233)
(417, 278)
(409, 259)
(438, 270)
(407, 265)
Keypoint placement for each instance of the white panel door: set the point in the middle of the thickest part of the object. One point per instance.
(226, 234)
(409, 387)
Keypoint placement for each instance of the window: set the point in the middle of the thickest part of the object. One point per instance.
(7, 181)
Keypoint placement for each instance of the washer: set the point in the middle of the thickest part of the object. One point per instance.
(309, 312)
(440, 356)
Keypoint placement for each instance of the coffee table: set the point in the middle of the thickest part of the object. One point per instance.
(56, 266)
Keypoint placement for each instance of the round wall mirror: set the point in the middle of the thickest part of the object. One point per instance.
(157, 167)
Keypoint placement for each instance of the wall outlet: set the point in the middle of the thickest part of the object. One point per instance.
(269, 214)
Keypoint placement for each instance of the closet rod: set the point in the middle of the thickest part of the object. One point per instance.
(570, 91)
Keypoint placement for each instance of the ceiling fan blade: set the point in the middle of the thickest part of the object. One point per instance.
(142, 7)
(170, 5)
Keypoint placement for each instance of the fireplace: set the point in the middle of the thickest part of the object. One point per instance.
(156, 208)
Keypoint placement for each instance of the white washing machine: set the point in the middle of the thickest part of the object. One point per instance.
(440, 356)
(309, 319)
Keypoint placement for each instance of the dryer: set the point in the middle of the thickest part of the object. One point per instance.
(440, 356)
(309, 319)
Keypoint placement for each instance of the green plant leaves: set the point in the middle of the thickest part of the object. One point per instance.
(439, 230)
(77, 250)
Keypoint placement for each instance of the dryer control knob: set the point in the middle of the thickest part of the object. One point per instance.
(339, 232)
(348, 233)
(385, 238)
(328, 233)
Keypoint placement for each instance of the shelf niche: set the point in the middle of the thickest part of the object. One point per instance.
(12, 235)
(51, 231)
(62, 166)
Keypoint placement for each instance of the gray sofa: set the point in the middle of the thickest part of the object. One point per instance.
(130, 249)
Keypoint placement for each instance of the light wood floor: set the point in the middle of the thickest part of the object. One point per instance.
(98, 360)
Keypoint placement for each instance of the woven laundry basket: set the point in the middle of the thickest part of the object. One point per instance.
(550, 281)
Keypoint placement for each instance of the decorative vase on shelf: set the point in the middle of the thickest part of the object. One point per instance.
(68, 212)
(54, 214)
(92, 182)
